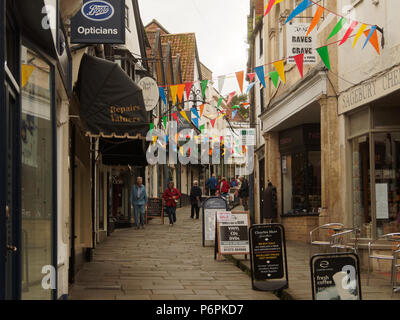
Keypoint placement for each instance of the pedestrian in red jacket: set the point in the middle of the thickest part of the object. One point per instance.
(223, 187)
(171, 196)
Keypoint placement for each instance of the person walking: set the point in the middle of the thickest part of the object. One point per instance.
(270, 205)
(244, 192)
(212, 184)
(223, 187)
(195, 199)
(138, 202)
(171, 196)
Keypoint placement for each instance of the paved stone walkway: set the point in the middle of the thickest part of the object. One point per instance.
(161, 263)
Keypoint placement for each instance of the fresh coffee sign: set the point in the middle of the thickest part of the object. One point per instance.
(99, 21)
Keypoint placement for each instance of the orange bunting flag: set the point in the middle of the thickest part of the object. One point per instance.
(201, 110)
(180, 91)
(280, 68)
(316, 19)
(373, 40)
(174, 91)
(240, 79)
(359, 33)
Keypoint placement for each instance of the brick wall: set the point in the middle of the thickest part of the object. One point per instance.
(298, 228)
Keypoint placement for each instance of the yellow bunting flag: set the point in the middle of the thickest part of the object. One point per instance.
(181, 150)
(280, 68)
(359, 33)
(183, 114)
(180, 91)
(26, 73)
(174, 91)
(154, 139)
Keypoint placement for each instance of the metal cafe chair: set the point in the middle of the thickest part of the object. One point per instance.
(396, 286)
(390, 237)
(346, 239)
(330, 229)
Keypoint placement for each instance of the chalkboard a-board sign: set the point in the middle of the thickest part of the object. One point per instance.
(233, 235)
(210, 208)
(335, 277)
(268, 257)
(155, 209)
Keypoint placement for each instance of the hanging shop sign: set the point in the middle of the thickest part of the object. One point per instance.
(210, 208)
(335, 277)
(268, 257)
(99, 21)
(299, 43)
(233, 234)
(150, 92)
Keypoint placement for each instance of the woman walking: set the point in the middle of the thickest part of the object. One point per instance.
(171, 196)
(195, 199)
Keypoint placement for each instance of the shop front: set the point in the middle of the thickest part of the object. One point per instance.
(35, 85)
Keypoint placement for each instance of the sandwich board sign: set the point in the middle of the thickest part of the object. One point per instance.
(268, 260)
(210, 208)
(335, 277)
(232, 233)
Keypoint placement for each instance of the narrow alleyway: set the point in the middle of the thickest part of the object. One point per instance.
(161, 263)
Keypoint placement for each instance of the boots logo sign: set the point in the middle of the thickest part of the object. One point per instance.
(97, 10)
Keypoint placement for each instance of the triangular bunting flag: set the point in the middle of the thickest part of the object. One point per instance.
(260, 74)
(180, 91)
(251, 76)
(195, 113)
(299, 59)
(337, 28)
(231, 95)
(359, 33)
(240, 79)
(219, 102)
(201, 110)
(324, 54)
(204, 84)
(353, 25)
(275, 78)
(316, 19)
(154, 139)
(371, 32)
(183, 114)
(269, 7)
(175, 116)
(202, 128)
(249, 87)
(234, 112)
(162, 94)
(299, 9)
(196, 122)
(174, 91)
(213, 122)
(280, 68)
(165, 119)
(26, 72)
(188, 87)
(374, 40)
(151, 127)
(221, 81)
(236, 107)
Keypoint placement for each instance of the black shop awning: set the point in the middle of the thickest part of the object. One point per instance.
(111, 104)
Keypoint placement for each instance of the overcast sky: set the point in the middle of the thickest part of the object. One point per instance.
(220, 27)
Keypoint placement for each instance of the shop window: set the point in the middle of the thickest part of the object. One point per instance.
(387, 182)
(384, 116)
(36, 174)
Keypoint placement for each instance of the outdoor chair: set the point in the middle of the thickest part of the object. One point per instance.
(392, 238)
(396, 287)
(346, 239)
(329, 229)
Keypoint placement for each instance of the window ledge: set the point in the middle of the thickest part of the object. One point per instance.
(302, 214)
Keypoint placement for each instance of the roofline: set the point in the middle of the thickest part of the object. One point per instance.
(157, 23)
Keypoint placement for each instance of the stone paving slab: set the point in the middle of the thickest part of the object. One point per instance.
(161, 263)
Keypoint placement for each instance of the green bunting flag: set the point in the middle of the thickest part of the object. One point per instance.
(324, 54)
(337, 28)
(219, 102)
(151, 127)
(204, 85)
(202, 128)
(164, 119)
(274, 77)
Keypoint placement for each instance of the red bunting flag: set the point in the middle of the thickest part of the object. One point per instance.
(348, 32)
(213, 122)
(175, 117)
(299, 62)
(269, 7)
(188, 87)
(231, 95)
(251, 76)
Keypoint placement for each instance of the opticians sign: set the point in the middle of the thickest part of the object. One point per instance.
(99, 21)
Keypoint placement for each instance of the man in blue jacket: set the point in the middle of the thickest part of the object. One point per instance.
(212, 184)
(138, 202)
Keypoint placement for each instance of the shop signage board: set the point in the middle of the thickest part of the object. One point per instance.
(233, 234)
(382, 201)
(210, 208)
(151, 94)
(268, 257)
(335, 277)
(299, 43)
(155, 209)
(99, 21)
